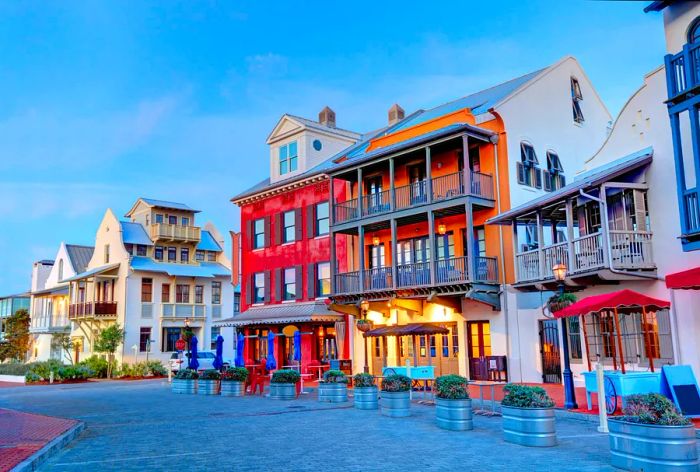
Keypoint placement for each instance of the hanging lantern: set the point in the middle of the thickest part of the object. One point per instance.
(442, 229)
(375, 240)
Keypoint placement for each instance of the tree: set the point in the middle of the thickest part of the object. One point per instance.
(17, 334)
(107, 342)
(64, 342)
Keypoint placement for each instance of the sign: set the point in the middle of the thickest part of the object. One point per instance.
(180, 344)
(289, 330)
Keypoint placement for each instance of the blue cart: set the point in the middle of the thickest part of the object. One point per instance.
(618, 384)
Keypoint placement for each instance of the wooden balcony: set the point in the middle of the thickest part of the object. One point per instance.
(683, 72)
(180, 311)
(692, 211)
(179, 233)
(86, 310)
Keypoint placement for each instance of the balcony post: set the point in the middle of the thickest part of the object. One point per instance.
(361, 248)
(433, 249)
(688, 67)
(394, 254)
(466, 173)
(392, 188)
(331, 203)
(331, 236)
(571, 264)
(469, 250)
(516, 250)
(540, 244)
(428, 175)
(694, 125)
(605, 243)
(359, 192)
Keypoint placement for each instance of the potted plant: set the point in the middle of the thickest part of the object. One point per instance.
(453, 405)
(528, 416)
(283, 384)
(560, 301)
(365, 392)
(185, 381)
(334, 388)
(364, 325)
(396, 399)
(233, 381)
(652, 435)
(209, 382)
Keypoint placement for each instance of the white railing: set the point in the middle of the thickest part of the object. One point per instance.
(175, 232)
(528, 265)
(556, 254)
(588, 252)
(631, 250)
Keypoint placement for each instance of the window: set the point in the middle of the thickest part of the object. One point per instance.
(159, 217)
(288, 157)
(445, 246)
(694, 31)
(60, 269)
(289, 229)
(455, 341)
(236, 302)
(216, 293)
(158, 253)
(576, 99)
(554, 175)
(528, 172)
(185, 221)
(211, 256)
(199, 256)
(290, 286)
(146, 290)
(172, 254)
(145, 340)
(182, 293)
(106, 253)
(172, 220)
(259, 285)
(323, 279)
(376, 256)
(141, 250)
(259, 233)
(574, 326)
(184, 254)
(199, 294)
(215, 332)
(170, 337)
(129, 248)
(165, 293)
(322, 218)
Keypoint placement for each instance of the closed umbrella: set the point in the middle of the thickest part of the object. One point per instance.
(297, 346)
(193, 363)
(219, 358)
(240, 345)
(271, 363)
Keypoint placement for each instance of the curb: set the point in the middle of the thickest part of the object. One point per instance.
(33, 462)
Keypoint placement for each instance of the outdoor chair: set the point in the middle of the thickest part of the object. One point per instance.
(259, 378)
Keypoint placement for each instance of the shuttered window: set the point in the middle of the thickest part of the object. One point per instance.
(290, 284)
(289, 226)
(576, 99)
(527, 171)
(259, 233)
(146, 290)
(259, 288)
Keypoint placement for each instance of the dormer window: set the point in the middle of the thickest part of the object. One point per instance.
(159, 217)
(288, 157)
(554, 175)
(528, 172)
(576, 99)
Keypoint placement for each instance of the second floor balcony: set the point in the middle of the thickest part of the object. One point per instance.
(180, 233)
(85, 310)
(683, 72)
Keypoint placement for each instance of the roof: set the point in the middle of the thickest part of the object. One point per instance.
(135, 233)
(59, 290)
(321, 127)
(658, 5)
(16, 295)
(610, 301)
(283, 313)
(154, 203)
(591, 178)
(46, 262)
(79, 256)
(204, 269)
(91, 272)
(684, 280)
(208, 243)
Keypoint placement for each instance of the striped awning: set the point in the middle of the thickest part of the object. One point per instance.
(283, 313)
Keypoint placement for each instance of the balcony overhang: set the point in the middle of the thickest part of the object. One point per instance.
(92, 273)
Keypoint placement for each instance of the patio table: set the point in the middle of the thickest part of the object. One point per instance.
(320, 369)
(486, 383)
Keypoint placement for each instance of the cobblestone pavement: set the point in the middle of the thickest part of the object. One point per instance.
(143, 426)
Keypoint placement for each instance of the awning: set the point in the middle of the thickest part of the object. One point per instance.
(410, 329)
(203, 269)
(92, 272)
(684, 280)
(610, 301)
(283, 313)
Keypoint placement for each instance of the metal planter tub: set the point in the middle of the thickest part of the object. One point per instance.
(208, 387)
(454, 415)
(283, 391)
(649, 447)
(332, 392)
(231, 388)
(366, 398)
(184, 386)
(396, 404)
(534, 427)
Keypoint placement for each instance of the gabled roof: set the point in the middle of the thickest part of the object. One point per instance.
(134, 233)
(79, 256)
(89, 273)
(314, 125)
(208, 243)
(204, 269)
(153, 203)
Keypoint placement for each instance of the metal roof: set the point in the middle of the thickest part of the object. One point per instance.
(208, 243)
(59, 290)
(204, 269)
(591, 178)
(79, 256)
(283, 313)
(327, 129)
(658, 5)
(92, 272)
(166, 204)
(135, 233)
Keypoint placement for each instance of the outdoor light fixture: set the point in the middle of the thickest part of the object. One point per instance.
(187, 322)
(559, 271)
(364, 304)
(442, 229)
(375, 240)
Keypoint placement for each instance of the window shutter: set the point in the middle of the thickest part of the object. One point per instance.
(311, 281)
(250, 237)
(278, 284)
(298, 280)
(277, 224)
(547, 181)
(562, 180)
(249, 290)
(538, 177)
(311, 221)
(267, 286)
(581, 221)
(267, 231)
(521, 173)
(640, 210)
(298, 228)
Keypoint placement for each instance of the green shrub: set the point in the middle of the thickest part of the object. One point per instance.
(285, 376)
(235, 374)
(363, 380)
(44, 369)
(156, 368)
(452, 387)
(652, 408)
(31, 377)
(96, 364)
(139, 369)
(187, 374)
(335, 376)
(14, 368)
(75, 372)
(210, 374)
(396, 383)
(526, 396)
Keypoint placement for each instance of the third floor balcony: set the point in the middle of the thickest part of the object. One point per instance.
(179, 233)
(683, 72)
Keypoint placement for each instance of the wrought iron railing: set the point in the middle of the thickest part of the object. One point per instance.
(448, 186)
(346, 211)
(347, 282)
(415, 274)
(376, 203)
(378, 278)
(411, 195)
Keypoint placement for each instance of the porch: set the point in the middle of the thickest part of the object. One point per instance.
(91, 294)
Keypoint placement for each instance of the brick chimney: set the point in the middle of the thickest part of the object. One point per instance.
(396, 114)
(327, 117)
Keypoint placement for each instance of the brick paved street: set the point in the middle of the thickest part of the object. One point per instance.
(143, 426)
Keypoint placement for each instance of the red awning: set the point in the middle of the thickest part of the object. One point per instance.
(687, 279)
(609, 301)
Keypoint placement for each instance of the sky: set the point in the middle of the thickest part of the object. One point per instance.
(102, 102)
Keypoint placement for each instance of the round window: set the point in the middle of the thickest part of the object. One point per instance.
(317, 144)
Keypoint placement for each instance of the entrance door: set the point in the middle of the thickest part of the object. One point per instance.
(549, 350)
(479, 336)
(377, 348)
(416, 175)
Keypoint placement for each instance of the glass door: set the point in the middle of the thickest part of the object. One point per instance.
(479, 336)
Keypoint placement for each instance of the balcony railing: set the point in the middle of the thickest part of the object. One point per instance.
(453, 269)
(415, 274)
(482, 185)
(175, 311)
(412, 195)
(45, 323)
(375, 203)
(683, 70)
(448, 186)
(168, 232)
(692, 211)
(378, 278)
(346, 211)
(348, 282)
(92, 309)
(486, 269)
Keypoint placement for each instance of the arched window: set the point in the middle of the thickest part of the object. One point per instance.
(694, 31)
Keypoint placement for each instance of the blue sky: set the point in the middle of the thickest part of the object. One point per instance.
(104, 101)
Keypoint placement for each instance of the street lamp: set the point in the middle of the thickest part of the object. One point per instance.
(188, 337)
(559, 271)
(364, 306)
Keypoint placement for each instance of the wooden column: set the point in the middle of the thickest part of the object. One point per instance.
(359, 192)
(605, 243)
(618, 335)
(540, 244)
(394, 254)
(571, 265)
(431, 238)
(392, 188)
(361, 248)
(334, 266)
(467, 174)
(469, 250)
(516, 250)
(331, 202)
(428, 175)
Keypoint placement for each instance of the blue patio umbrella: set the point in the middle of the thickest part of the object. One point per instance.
(240, 345)
(297, 346)
(219, 358)
(271, 363)
(193, 362)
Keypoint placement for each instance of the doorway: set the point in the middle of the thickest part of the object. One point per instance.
(479, 337)
(549, 350)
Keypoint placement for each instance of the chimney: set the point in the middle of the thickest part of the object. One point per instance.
(396, 114)
(327, 117)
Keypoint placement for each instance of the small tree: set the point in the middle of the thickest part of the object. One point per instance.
(17, 334)
(64, 342)
(107, 342)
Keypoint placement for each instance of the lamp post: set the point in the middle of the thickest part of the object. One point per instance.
(559, 271)
(188, 337)
(364, 306)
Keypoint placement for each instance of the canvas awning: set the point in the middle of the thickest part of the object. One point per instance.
(611, 301)
(283, 313)
(684, 280)
(417, 329)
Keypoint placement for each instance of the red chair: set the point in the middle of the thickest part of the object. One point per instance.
(259, 378)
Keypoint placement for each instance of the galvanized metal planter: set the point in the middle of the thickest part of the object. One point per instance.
(208, 387)
(650, 447)
(332, 392)
(232, 388)
(396, 404)
(184, 386)
(534, 427)
(455, 415)
(283, 391)
(366, 398)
